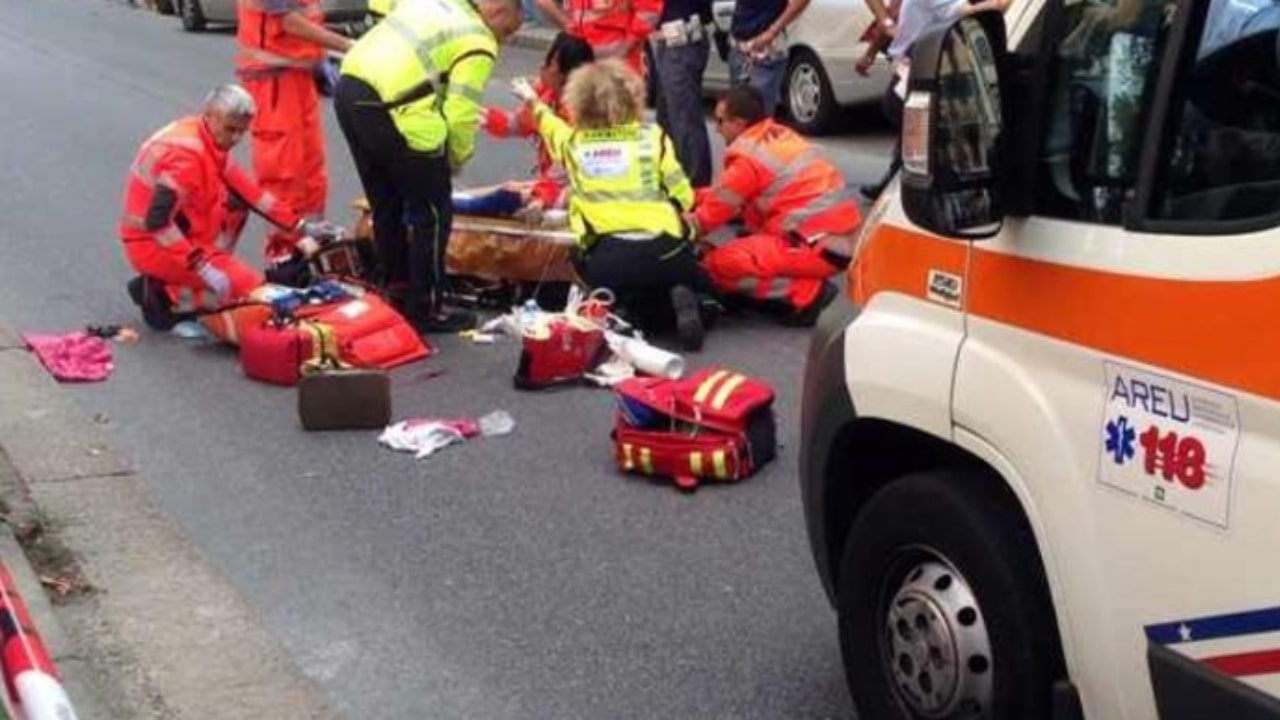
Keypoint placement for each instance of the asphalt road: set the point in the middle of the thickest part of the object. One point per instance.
(514, 577)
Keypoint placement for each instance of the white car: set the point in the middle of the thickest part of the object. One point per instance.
(196, 14)
(824, 46)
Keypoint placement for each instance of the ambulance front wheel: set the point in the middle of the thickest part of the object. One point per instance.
(944, 607)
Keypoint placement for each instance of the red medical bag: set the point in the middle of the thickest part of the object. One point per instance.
(370, 333)
(275, 353)
(715, 425)
(561, 351)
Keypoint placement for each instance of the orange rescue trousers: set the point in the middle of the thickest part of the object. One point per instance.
(767, 267)
(288, 148)
(185, 288)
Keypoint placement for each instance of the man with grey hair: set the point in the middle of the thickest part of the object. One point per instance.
(186, 202)
(408, 102)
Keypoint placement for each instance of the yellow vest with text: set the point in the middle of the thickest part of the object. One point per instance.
(623, 179)
(444, 42)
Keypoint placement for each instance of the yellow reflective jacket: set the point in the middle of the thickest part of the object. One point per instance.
(429, 61)
(624, 179)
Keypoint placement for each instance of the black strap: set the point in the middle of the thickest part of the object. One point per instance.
(427, 87)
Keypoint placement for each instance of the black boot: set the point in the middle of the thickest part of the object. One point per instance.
(807, 316)
(157, 310)
(446, 320)
(689, 327)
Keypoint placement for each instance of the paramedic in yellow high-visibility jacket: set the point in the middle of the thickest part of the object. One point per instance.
(408, 102)
(627, 196)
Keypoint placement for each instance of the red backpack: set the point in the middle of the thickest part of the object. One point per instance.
(716, 425)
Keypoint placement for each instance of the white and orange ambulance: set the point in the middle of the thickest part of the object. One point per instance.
(1041, 444)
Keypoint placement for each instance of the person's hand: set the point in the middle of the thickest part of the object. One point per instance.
(216, 280)
(863, 66)
(308, 247)
(322, 230)
(531, 212)
(521, 88)
(760, 44)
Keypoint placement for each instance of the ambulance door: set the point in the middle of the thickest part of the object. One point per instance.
(1122, 353)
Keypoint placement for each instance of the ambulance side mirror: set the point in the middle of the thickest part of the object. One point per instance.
(953, 129)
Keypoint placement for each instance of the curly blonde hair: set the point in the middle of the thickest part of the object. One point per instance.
(604, 94)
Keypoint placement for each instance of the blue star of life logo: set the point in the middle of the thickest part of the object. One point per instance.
(1120, 439)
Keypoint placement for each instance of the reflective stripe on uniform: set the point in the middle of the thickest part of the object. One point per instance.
(422, 46)
(620, 196)
(169, 236)
(470, 93)
(266, 59)
(705, 388)
(615, 49)
(728, 197)
(779, 288)
(822, 204)
(785, 174)
(648, 155)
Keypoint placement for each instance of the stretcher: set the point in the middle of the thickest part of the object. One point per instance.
(497, 249)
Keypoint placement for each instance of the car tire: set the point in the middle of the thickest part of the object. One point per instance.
(192, 16)
(943, 605)
(165, 7)
(809, 100)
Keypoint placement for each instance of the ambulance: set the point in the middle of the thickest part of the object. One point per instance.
(1040, 456)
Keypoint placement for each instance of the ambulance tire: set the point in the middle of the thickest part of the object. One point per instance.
(954, 539)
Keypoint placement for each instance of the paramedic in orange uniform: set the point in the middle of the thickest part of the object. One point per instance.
(184, 206)
(795, 207)
(613, 28)
(281, 43)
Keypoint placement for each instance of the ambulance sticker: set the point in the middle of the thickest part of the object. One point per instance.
(1169, 442)
(944, 288)
(601, 161)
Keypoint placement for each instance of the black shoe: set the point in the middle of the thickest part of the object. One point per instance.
(447, 321)
(806, 317)
(689, 326)
(711, 310)
(148, 294)
(871, 192)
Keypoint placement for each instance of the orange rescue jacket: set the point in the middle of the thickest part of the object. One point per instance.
(780, 183)
(265, 46)
(179, 189)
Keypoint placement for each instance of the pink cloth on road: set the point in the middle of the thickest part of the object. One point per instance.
(74, 357)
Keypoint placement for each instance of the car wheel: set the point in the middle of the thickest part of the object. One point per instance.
(192, 16)
(944, 608)
(164, 7)
(809, 100)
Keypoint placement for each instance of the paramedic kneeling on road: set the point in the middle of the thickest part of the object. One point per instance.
(627, 193)
(794, 203)
(184, 207)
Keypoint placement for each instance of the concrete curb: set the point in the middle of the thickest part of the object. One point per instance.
(165, 635)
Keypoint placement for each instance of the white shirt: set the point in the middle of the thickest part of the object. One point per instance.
(916, 17)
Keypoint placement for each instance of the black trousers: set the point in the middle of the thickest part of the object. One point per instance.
(409, 192)
(641, 274)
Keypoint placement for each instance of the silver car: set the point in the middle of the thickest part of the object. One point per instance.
(824, 46)
(196, 14)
